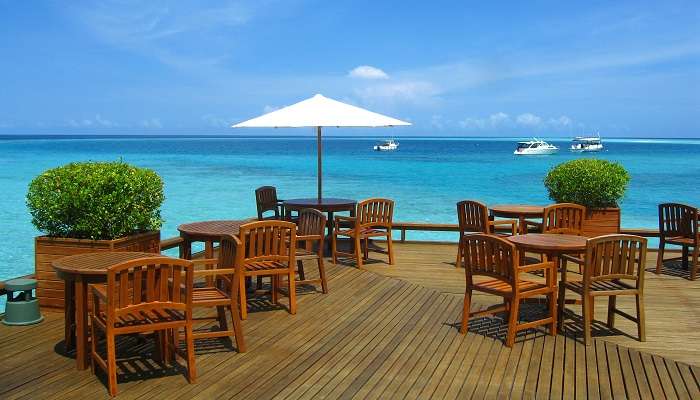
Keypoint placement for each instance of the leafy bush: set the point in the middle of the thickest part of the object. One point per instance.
(589, 182)
(96, 200)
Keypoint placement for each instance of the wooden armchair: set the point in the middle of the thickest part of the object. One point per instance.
(221, 292)
(268, 248)
(311, 229)
(373, 219)
(144, 295)
(473, 217)
(679, 225)
(496, 258)
(266, 200)
(613, 266)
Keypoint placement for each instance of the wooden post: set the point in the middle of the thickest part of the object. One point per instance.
(320, 173)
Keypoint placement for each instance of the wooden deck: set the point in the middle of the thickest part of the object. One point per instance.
(375, 336)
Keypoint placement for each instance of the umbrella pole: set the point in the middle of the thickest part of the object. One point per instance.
(320, 174)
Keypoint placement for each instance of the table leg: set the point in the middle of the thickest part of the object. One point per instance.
(522, 227)
(209, 253)
(81, 325)
(69, 314)
(186, 248)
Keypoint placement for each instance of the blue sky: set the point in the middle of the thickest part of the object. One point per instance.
(452, 68)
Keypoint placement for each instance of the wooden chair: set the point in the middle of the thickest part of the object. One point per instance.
(613, 266)
(266, 200)
(268, 248)
(496, 258)
(564, 218)
(473, 217)
(311, 229)
(679, 225)
(143, 295)
(373, 219)
(221, 293)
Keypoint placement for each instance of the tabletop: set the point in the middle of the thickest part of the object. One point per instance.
(213, 228)
(549, 242)
(97, 263)
(324, 202)
(517, 209)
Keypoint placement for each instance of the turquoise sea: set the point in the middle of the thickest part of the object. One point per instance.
(214, 177)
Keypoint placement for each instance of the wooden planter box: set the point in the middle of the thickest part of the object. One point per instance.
(603, 221)
(50, 290)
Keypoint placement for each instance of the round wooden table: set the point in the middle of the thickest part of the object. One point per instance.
(78, 271)
(521, 212)
(208, 232)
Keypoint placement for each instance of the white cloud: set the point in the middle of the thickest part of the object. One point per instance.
(409, 91)
(562, 121)
(499, 118)
(152, 123)
(528, 119)
(216, 122)
(367, 72)
(269, 108)
(496, 120)
(97, 121)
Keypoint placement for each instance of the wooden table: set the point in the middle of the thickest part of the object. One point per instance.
(78, 271)
(208, 232)
(521, 212)
(327, 205)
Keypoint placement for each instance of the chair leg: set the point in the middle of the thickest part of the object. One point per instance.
(191, 369)
(390, 247)
(93, 346)
(513, 321)
(458, 262)
(466, 311)
(111, 365)
(684, 259)
(552, 297)
(237, 328)
(334, 248)
(365, 249)
(358, 251)
(242, 300)
(221, 312)
(592, 314)
(292, 293)
(259, 283)
(612, 301)
(660, 256)
(641, 331)
(561, 299)
(275, 288)
(586, 300)
(694, 266)
(322, 274)
(300, 268)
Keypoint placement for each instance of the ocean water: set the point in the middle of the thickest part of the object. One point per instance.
(214, 178)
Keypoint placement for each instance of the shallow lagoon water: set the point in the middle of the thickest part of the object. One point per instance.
(214, 178)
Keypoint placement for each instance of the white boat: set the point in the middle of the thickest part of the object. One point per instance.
(584, 144)
(535, 147)
(387, 145)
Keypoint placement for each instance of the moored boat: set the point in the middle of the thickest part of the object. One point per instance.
(387, 145)
(585, 144)
(535, 147)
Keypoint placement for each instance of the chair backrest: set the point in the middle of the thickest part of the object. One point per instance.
(564, 218)
(229, 246)
(375, 213)
(615, 257)
(312, 223)
(473, 216)
(267, 241)
(266, 200)
(489, 255)
(149, 285)
(678, 220)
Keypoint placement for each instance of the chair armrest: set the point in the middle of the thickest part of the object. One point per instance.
(536, 267)
(345, 218)
(572, 259)
(512, 222)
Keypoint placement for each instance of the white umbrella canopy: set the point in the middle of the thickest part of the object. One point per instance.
(320, 111)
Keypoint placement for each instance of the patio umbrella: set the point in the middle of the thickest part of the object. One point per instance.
(319, 112)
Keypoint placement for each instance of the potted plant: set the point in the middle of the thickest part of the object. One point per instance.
(597, 184)
(91, 207)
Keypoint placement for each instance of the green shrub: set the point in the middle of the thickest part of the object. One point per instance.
(96, 200)
(589, 182)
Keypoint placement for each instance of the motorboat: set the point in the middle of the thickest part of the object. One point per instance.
(584, 144)
(387, 145)
(535, 147)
